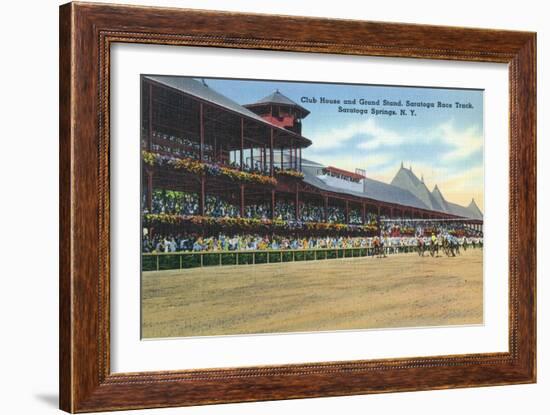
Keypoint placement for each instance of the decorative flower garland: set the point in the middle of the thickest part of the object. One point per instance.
(202, 168)
(295, 174)
(255, 224)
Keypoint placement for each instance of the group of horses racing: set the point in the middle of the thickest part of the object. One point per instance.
(447, 244)
(450, 246)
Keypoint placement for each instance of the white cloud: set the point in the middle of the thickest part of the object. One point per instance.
(358, 160)
(368, 128)
(465, 142)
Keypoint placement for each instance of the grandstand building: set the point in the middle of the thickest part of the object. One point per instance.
(199, 142)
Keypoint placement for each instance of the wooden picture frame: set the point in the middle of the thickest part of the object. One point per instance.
(86, 33)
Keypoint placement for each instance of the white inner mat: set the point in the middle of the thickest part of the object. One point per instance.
(130, 354)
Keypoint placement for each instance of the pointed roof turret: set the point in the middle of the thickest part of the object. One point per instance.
(277, 98)
(474, 209)
(406, 179)
(436, 193)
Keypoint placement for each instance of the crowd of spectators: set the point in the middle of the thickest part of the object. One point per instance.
(257, 211)
(284, 210)
(174, 203)
(184, 203)
(238, 242)
(178, 146)
(219, 208)
(310, 212)
(398, 227)
(183, 147)
(244, 242)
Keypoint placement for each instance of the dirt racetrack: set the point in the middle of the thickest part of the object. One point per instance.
(357, 293)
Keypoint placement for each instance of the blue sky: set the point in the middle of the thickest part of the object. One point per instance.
(445, 145)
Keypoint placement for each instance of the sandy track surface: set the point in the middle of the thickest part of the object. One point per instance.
(357, 293)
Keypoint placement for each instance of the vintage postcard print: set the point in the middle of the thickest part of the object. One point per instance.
(277, 207)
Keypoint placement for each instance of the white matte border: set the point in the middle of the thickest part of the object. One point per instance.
(130, 354)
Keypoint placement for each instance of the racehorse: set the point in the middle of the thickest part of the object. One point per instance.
(434, 247)
(450, 246)
(420, 246)
(379, 248)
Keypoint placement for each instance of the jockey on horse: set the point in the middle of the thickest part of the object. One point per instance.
(420, 245)
(434, 248)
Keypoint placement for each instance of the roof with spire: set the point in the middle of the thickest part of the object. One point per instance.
(476, 211)
(405, 189)
(407, 180)
(438, 196)
(276, 97)
(434, 200)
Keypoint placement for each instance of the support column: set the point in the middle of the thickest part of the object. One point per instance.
(290, 157)
(282, 158)
(201, 131)
(297, 203)
(242, 144)
(271, 167)
(363, 214)
(251, 157)
(273, 204)
(378, 210)
(242, 200)
(150, 139)
(202, 200)
(325, 208)
(391, 213)
(300, 158)
(149, 202)
(347, 212)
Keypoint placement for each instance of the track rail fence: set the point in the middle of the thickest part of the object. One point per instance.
(182, 260)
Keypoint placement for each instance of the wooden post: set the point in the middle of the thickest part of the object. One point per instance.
(378, 210)
(242, 200)
(363, 214)
(150, 141)
(391, 213)
(300, 158)
(149, 190)
(282, 159)
(201, 130)
(202, 200)
(271, 169)
(251, 157)
(297, 203)
(347, 212)
(290, 162)
(242, 143)
(273, 204)
(325, 208)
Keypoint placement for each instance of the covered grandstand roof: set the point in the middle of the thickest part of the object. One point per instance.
(374, 189)
(202, 91)
(397, 193)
